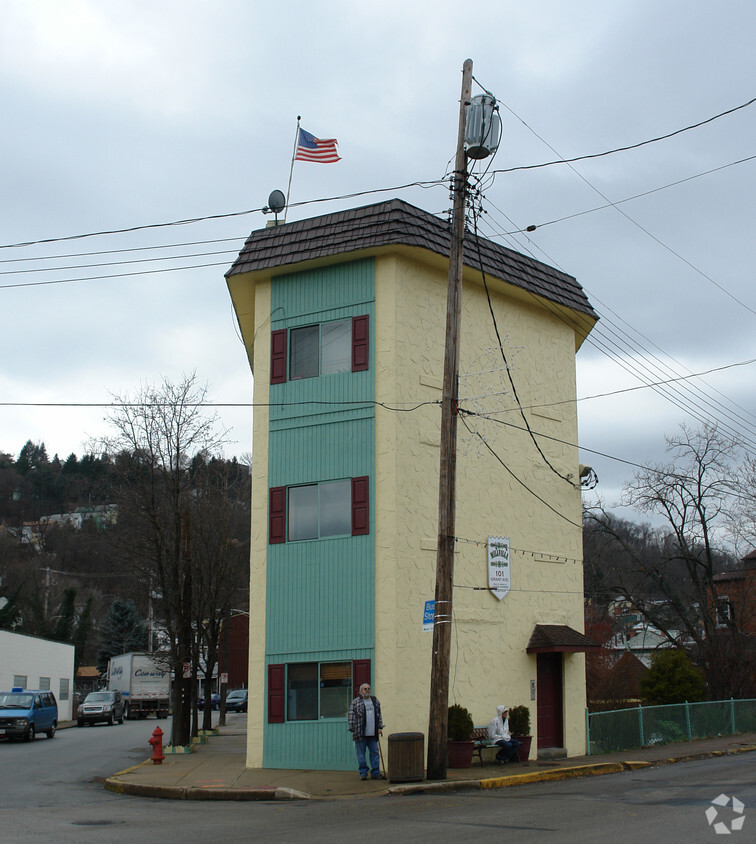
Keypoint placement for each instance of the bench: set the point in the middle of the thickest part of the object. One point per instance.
(480, 737)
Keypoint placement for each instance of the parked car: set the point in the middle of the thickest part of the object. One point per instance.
(236, 701)
(214, 702)
(25, 712)
(100, 706)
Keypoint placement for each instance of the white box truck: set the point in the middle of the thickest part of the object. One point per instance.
(144, 684)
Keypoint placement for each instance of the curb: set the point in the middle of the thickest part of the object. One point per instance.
(114, 784)
(176, 792)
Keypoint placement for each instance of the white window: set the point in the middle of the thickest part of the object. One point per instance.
(64, 688)
(19, 681)
(321, 349)
(318, 690)
(44, 682)
(724, 611)
(320, 510)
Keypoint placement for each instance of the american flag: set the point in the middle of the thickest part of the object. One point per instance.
(321, 150)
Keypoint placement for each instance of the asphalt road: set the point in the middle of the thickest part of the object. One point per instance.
(52, 791)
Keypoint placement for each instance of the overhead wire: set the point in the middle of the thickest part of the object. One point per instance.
(514, 475)
(634, 359)
(626, 148)
(354, 194)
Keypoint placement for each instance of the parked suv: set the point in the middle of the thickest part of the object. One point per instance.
(25, 712)
(100, 706)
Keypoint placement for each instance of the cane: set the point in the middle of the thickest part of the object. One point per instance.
(380, 751)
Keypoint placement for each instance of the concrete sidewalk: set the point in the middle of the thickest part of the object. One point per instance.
(216, 771)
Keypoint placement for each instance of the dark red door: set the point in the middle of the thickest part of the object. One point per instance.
(549, 702)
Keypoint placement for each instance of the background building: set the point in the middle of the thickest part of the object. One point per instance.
(33, 663)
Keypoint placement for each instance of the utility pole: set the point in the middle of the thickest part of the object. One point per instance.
(439, 695)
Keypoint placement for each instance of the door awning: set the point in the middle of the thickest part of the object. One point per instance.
(558, 638)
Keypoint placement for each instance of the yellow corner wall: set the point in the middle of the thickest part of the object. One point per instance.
(489, 665)
(260, 354)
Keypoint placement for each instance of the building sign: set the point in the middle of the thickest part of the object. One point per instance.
(498, 566)
(428, 613)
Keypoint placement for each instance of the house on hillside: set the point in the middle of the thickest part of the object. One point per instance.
(735, 598)
(343, 320)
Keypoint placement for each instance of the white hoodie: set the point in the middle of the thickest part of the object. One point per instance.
(498, 729)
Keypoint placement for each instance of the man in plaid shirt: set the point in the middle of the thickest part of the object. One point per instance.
(365, 725)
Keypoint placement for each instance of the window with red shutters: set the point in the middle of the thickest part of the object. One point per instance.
(276, 694)
(278, 342)
(277, 514)
(352, 511)
(360, 343)
(360, 506)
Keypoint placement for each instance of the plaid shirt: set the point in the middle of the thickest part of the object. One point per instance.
(356, 718)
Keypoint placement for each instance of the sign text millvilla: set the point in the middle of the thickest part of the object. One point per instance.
(498, 566)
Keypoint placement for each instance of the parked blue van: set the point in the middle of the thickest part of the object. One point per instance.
(25, 712)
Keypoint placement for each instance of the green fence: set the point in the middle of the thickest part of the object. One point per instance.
(644, 726)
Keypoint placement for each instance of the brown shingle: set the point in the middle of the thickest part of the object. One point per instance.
(397, 223)
(548, 638)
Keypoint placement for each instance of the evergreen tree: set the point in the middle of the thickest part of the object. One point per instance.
(32, 456)
(672, 678)
(80, 638)
(123, 631)
(10, 613)
(65, 624)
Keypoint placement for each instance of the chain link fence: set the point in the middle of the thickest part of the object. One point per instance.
(645, 726)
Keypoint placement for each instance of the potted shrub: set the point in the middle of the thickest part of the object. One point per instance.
(459, 734)
(519, 728)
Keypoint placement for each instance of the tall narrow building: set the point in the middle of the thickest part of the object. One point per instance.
(343, 320)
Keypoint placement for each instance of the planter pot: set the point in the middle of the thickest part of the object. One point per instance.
(460, 753)
(523, 751)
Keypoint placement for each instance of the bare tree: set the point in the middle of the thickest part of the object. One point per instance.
(672, 580)
(157, 434)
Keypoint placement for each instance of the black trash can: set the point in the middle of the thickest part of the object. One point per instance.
(406, 756)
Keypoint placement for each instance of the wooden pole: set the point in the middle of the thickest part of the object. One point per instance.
(439, 695)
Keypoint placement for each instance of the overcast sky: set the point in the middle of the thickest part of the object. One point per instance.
(123, 115)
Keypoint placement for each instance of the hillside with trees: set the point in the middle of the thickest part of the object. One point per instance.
(155, 522)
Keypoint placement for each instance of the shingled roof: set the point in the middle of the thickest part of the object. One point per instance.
(397, 223)
(557, 638)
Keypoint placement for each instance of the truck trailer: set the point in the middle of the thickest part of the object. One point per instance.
(144, 685)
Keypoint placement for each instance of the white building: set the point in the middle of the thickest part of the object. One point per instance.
(38, 664)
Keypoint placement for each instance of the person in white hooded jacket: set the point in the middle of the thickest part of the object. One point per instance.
(498, 732)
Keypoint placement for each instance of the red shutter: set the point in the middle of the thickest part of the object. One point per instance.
(277, 514)
(360, 345)
(278, 356)
(360, 506)
(360, 675)
(276, 696)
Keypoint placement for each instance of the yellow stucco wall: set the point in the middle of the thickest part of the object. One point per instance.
(260, 353)
(488, 660)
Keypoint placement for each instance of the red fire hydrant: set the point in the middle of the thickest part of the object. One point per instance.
(157, 746)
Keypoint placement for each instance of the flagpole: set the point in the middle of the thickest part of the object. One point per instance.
(291, 171)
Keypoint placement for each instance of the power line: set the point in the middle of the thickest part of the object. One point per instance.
(598, 339)
(515, 477)
(619, 149)
(422, 184)
(533, 227)
(204, 218)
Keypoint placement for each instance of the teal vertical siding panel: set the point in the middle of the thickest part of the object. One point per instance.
(320, 593)
(302, 745)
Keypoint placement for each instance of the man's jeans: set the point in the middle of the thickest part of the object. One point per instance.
(508, 752)
(371, 744)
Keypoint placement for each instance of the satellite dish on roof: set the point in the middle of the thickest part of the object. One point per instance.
(276, 204)
(277, 201)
